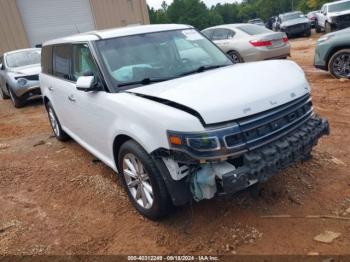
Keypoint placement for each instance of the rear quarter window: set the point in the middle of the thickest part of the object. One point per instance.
(46, 60)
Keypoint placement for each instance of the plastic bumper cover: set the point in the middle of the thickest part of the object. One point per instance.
(261, 164)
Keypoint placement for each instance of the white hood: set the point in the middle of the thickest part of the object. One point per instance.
(235, 91)
(27, 70)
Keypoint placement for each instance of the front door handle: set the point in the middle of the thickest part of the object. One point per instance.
(71, 98)
(50, 88)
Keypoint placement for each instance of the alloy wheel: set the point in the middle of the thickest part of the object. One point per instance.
(341, 65)
(235, 58)
(137, 181)
(54, 122)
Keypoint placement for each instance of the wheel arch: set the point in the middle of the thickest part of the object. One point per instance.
(333, 51)
(118, 141)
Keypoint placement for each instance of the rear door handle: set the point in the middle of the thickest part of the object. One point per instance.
(71, 98)
(50, 88)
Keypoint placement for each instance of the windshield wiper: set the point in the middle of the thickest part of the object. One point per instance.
(145, 81)
(202, 69)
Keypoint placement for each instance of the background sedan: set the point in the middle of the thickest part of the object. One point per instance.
(248, 42)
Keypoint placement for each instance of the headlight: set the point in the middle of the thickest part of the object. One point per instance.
(200, 142)
(208, 144)
(22, 82)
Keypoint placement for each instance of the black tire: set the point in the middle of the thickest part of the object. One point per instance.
(332, 65)
(161, 205)
(3, 95)
(235, 57)
(308, 33)
(328, 28)
(16, 101)
(56, 128)
(318, 28)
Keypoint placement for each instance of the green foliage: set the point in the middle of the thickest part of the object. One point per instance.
(196, 13)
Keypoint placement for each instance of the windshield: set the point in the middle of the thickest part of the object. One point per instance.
(162, 55)
(24, 58)
(253, 29)
(339, 7)
(291, 16)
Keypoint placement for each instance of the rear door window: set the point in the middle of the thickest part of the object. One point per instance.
(62, 61)
(220, 34)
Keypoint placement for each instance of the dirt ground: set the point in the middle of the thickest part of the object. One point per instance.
(55, 199)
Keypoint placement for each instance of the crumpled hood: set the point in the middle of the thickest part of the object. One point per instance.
(27, 70)
(301, 20)
(233, 92)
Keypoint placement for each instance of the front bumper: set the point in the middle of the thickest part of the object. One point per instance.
(297, 29)
(261, 164)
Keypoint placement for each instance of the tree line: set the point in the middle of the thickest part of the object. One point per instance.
(197, 14)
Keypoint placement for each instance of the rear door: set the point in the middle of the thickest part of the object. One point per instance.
(223, 38)
(61, 84)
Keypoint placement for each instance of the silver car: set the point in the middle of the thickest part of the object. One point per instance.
(19, 75)
(248, 42)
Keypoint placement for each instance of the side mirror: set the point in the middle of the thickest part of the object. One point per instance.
(2, 67)
(86, 84)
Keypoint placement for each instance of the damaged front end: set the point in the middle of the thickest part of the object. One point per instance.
(229, 159)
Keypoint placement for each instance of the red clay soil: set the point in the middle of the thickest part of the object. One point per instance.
(54, 199)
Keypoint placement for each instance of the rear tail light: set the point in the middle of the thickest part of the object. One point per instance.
(258, 43)
(285, 39)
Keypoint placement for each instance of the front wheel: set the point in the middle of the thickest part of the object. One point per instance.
(144, 183)
(328, 28)
(55, 123)
(318, 28)
(3, 95)
(17, 102)
(339, 64)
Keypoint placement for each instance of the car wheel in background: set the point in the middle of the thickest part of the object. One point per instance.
(55, 124)
(17, 102)
(308, 33)
(3, 95)
(235, 57)
(318, 28)
(328, 28)
(339, 64)
(142, 179)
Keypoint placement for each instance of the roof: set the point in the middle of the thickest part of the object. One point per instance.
(21, 50)
(116, 32)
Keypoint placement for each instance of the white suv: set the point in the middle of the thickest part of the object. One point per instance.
(166, 109)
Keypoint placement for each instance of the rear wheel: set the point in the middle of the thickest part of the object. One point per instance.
(144, 183)
(17, 102)
(339, 64)
(55, 124)
(235, 57)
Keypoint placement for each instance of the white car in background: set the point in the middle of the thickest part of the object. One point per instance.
(166, 109)
(248, 42)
